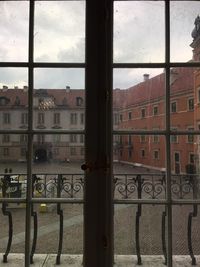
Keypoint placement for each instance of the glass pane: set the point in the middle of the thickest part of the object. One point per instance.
(59, 31)
(139, 167)
(185, 235)
(13, 98)
(139, 235)
(14, 30)
(183, 16)
(139, 37)
(59, 105)
(13, 168)
(139, 99)
(184, 98)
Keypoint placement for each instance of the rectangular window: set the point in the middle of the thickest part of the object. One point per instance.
(190, 137)
(41, 138)
(191, 104)
(73, 138)
(82, 138)
(155, 138)
(156, 154)
(56, 118)
(142, 138)
(142, 153)
(82, 118)
(191, 158)
(121, 117)
(143, 113)
(6, 118)
(6, 138)
(23, 138)
(130, 115)
(73, 118)
(116, 119)
(155, 110)
(23, 152)
(6, 151)
(130, 153)
(73, 151)
(56, 138)
(24, 118)
(40, 118)
(174, 138)
(173, 107)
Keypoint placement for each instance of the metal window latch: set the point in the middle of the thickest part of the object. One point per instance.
(94, 166)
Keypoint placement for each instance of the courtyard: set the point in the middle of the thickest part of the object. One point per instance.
(149, 227)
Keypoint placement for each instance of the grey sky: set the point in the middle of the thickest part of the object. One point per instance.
(60, 37)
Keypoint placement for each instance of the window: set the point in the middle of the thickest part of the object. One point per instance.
(73, 138)
(143, 138)
(174, 138)
(6, 138)
(41, 138)
(191, 158)
(24, 118)
(56, 118)
(40, 118)
(116, 119)
(23, 152)
(81, 138)
(130, 153)
(79, 101)
(130, 115)
(173, 107)
(155, 110)
(142, 153)
(6, 118)
(82, 118)
(155, 138)
(143, 113)
(23, 138)
(121, 117)
(6, 152)
(73, 151)
(156, 154)
(190, 137)
(191, 104)
(73, 118)
(56, 138)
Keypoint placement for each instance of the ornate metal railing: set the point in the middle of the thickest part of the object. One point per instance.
(126, 186)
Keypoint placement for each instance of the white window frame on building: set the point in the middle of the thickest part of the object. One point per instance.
(73, 118)
(6, 118)
(6, 151)
(130, 115)
(173, 106)
(56, 118)
(156, 155)
(155, 110)
(190, 137)
(191, 104)
(24, 118)
(5, 138)
(41, 118)
(143, 113)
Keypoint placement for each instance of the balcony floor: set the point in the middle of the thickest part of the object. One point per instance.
(48, 260)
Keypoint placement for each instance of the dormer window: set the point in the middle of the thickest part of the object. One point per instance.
(4, 101)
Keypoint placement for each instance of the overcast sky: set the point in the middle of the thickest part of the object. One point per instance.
(59, 36)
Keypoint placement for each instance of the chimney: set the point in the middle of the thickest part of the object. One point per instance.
(67, 88)
(25, 88)
(146, 77)
(15, 87)
(5, 87)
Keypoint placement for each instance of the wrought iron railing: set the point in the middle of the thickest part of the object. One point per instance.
(126, 186)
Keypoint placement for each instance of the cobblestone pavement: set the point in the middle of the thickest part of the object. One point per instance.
(124, 226)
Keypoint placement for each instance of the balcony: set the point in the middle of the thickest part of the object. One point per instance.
(140, 229)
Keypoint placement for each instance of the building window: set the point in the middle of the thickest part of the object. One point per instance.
(41, 138)
(143, 113)
(130, 153)
(142, 138)
(174, 138)
(73, 118)
(79, 101)
(142, 153)
(73, 151)
(56, 151)
(6, 151)
(121, 117)
(56, 118)
(23, 138)
(40, 118)
(73, 138)
(130, 115)
(82, 118)
(156, 154)
(173, 107)
(6, 118)
(56, 138)
(6, 138)
(190, 137)
(23, 152)
(116, 119)
(155, 110)
(191, 158)
(191, 104)
(155, 138)
(82, 138)
(24, 118)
